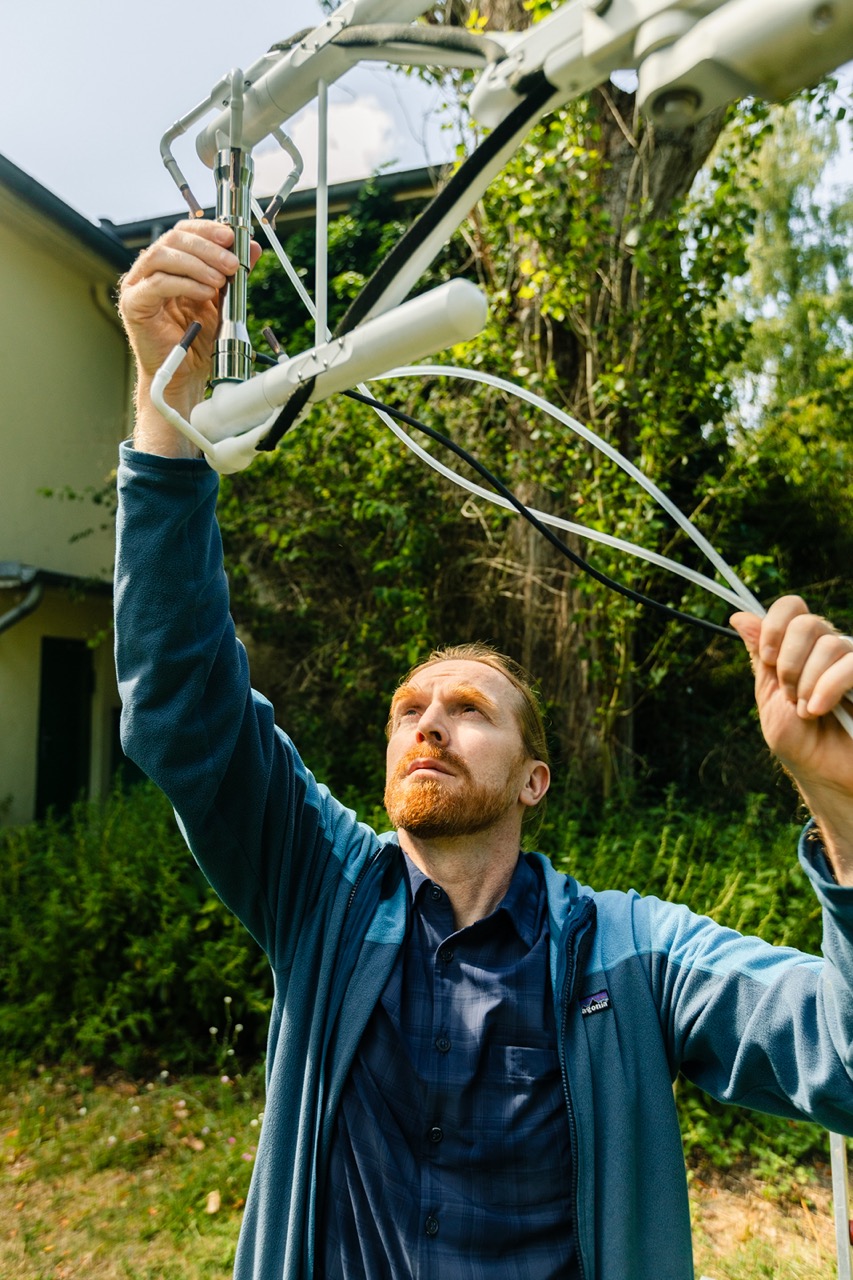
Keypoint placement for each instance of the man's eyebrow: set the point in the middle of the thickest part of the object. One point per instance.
(461, 692)
(471, 693)
(405, 691)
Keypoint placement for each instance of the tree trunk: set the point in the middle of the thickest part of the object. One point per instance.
(586, 668)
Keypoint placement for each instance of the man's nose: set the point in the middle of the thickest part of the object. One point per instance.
(431, 727)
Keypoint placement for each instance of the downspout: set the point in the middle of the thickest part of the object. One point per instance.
(103, 296)
(29, 604)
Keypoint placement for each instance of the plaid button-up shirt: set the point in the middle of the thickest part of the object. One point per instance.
(451, 1153)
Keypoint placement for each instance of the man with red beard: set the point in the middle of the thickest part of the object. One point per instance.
(471, 1056)
(467, 755)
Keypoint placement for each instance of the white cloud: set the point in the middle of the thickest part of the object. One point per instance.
(362, 136)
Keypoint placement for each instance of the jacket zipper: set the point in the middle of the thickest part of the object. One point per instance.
(368, 863)
(568, 986)
(310, 1246)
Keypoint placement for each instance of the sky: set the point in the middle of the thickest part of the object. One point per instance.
(91, 86)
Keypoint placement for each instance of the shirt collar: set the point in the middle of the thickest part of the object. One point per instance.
(521, 902)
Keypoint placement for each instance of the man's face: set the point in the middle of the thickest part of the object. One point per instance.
(455, 762)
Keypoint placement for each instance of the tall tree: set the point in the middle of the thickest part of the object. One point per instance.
(606, 272)
(799, 284)
(596, 304)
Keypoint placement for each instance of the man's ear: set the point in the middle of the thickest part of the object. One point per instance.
(537, 782)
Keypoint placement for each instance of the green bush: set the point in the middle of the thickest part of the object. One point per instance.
(742, 872)
(113, 949)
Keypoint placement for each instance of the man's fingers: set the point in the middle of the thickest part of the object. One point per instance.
(192, 260)
(800, 653)
(748, 627)
(185, 258)
(776, 623)
(826, 682)
(807, 648)
(149, 294)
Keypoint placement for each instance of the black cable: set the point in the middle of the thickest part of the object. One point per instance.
(287, 416)
(454, 198)
(528, 515)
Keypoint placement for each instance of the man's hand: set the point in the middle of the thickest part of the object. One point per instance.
(803, 668)
(174, 282)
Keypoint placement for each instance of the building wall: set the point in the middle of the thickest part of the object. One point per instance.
(65, 373)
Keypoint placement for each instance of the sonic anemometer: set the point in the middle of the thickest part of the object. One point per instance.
(690, 57)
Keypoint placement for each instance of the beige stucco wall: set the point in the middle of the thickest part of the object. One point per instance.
(64, 373)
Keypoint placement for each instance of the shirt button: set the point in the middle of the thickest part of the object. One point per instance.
(431, 1225)
(435, 893)
(442, 1043)
(445, 955)
(436, 1133)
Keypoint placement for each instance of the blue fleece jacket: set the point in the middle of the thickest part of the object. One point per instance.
(643, 988)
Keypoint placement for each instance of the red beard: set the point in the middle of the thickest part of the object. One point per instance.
(431, 807)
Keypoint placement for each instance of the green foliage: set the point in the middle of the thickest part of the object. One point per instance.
(797, 283)
(794, 473)
(112, 946)
(340, 567)
(741, 870)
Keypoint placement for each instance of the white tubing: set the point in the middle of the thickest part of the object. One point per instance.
(453, 312)
(557, 522)
(321, 215)
(287, 265)
(232, 454)
(568, 526)
(743, 593)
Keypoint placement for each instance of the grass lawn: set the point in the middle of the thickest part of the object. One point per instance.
(112, 1180)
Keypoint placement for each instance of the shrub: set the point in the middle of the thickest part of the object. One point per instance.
(113, 949)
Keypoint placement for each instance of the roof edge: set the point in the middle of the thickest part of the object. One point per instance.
(402, 184)
(17, 576)
(101, 240)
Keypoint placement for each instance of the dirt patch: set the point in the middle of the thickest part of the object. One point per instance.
(740, 1230)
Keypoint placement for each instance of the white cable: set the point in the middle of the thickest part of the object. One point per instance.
(743, 593)
(568, 526)
(234, 453)
(321, 216)
(742, 596)
(287, 265)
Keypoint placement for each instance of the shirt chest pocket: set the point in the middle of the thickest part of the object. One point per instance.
(521, 1064)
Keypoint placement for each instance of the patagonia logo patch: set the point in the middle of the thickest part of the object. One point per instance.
(595, 1003)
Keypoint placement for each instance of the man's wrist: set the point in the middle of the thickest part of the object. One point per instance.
(152, 433)
(833, 825)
